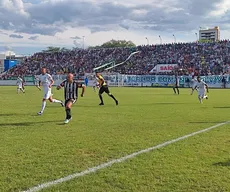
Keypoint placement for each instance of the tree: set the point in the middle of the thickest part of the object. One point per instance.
(115, 43)
(206, 41)
(52, 49)
(63, 49)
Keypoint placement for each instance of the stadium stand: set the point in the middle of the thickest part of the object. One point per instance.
(205, 58)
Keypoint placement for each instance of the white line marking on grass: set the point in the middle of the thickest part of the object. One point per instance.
(120, 160)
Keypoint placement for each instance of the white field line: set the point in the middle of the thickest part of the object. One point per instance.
(120, 160)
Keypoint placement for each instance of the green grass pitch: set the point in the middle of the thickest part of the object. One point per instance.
(36, 149)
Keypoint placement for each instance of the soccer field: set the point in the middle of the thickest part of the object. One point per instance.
(38, 149)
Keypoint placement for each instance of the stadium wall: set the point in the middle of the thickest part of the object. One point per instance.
(214, 81)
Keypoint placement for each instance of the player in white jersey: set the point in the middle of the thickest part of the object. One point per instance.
(202, 89)
(46, 81)
(20, 84)
(193, 83)
(36, 80)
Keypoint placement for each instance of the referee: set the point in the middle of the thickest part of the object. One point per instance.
(104, 88)
(71, 94)
(177, 84)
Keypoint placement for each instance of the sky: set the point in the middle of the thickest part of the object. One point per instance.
(28, 26)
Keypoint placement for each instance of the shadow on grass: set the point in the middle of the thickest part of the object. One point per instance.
(12, 114)
(169, 103)
(61, 124)
(226, 107)
(24, 124)
(111, 104)
(224, 164)
(56, 106)
(207, 122)
(152, 104)
(162, 103)
(96, 106)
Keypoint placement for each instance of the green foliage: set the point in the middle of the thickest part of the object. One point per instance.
(52, 49)
(206, 41)
(36, 149)
(115, 43)
(55, 49)
(63, 49)
(94, 47)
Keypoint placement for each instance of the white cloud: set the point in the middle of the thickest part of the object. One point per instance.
(14, 5)
(222, 8)
(56, 21)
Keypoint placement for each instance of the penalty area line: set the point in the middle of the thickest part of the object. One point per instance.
(120, 160)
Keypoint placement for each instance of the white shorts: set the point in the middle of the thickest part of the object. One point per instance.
(20, 87)
(202, 93)
(47, 94)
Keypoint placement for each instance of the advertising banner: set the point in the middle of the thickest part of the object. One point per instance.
(160, 68)
(29, 78)
(213, 81)
(26, 78)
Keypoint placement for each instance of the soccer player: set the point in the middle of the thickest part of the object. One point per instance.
(46, 81)
(86, 81)
(224, 81)
(71, 94)
(20, 87)
(36, 80)
(194, 82)
(203, 88)
(104, 88)
(176, 86)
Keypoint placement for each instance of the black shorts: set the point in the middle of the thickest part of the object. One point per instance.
(72, 100)
(103, 89)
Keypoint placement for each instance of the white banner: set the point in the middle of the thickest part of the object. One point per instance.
(163, 68)
(213, 81)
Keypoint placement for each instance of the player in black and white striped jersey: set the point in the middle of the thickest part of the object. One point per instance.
(71, 94)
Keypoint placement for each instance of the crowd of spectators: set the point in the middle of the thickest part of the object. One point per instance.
(205, 58)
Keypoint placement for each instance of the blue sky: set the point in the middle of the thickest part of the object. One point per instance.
(28, 26)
